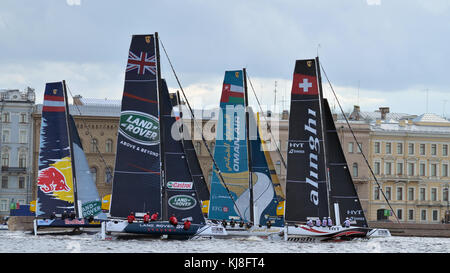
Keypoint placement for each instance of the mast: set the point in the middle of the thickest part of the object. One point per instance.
(69, 132)
(249, 152)
(161, 133)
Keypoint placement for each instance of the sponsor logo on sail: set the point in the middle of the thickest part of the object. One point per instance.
(182, 202)
(314, 151)
(52, 180)
(139, 127)
(179, 185)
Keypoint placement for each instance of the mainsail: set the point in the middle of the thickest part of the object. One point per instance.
(61, 160)
(136, 182)
(55, 193)
(230, 154)
(306, 182)
(152, 172)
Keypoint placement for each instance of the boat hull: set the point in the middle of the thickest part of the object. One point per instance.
(303, 233)
(264, 232)
(62, 225)
(161, 228)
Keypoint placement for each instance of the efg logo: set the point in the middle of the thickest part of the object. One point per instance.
(139, 127)
(182, 202)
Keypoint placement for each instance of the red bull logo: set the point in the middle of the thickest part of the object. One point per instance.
(52, 180)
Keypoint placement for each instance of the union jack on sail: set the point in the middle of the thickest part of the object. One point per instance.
(142, 63)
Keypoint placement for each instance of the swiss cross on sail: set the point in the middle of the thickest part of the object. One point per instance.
(142, 63)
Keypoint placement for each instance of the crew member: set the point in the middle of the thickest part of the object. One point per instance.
(173, 220)
(347, 222)
(309, 223)
(324, 222)
(318, 222)
(64, 215)
(330, 222)
(146, 217)
(154, 216)
(186, 224)
(131, 218)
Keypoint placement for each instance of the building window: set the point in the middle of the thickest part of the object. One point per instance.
(388, 193)
(433, 194)
(422, 169)
(433, 149)
(410, 194)
(388, 148)
(388, 168)
(445, 194)
(435, 215)
(4, 182)
(376, 193)
(198, 147)
(433, 169)
(23, 136)
(377, 147)
(93, 145)
(444, 170)
(411, 169)
(22, 160)
(4, 205)
(359, 148)
(422, 194)
(5, 159)
(23, 118)
(444, 149)
(109, 146)
(21, 182)
(350, 147)
(400, 148)
(355, 169)
(399, 194)
(399, 168)
(278, 167)
(411, 215)
(6, 117)
(400, 214)
(108, 175)
(376, 166)
(423, 215)
(93, 171)
(422, 149)
(410, 148)
(5, 136)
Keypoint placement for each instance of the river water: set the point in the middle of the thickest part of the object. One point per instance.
(22, 242)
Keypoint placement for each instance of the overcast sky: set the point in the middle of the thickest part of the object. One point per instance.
(375, 52)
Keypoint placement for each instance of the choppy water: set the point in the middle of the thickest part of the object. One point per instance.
(20, 242)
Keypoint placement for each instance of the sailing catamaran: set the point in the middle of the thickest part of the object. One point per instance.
(245, 201)
(66, 193)
(151, 172)
(318, 183)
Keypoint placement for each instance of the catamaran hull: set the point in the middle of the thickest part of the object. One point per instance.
(303, 233)
(272, 233)
(60, 225)
(157, 229)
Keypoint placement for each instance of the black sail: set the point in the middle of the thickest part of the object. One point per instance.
(180, 195)
(306, 186)
(342, 189)
(136, 183)
(193, 162)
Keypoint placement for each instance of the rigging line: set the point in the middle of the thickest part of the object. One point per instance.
(203, 138)
(270, 131)
(357, 143)
(89, 133)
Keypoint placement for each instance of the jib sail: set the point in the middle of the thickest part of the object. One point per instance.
(306, 186)
(342, 189)
(136, 182)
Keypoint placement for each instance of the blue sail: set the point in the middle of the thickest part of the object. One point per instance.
(230, 154)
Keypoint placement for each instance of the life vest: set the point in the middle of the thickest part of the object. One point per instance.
(154, 217)
(187, 224)
(146, 218)
(131, 218)
(173, 220)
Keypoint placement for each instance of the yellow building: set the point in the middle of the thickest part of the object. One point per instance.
(410, 159)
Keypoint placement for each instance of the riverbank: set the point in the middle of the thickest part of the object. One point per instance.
(414, 230)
